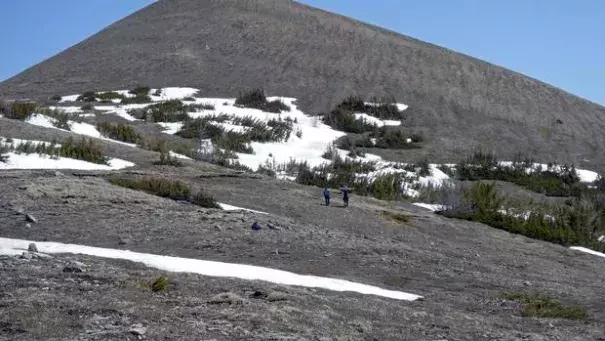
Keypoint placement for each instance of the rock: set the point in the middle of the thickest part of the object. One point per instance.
(30, 218)
(74, 267)
(37, 255)
(218, 227)
(26, 255)
(226, 297)
(601, 239)
(527, 283)
(256, 226)
(57, 173)
(273, 227)
(32, 248)
(259, 294)
(125, 241)
(28, 225)
(137, 329)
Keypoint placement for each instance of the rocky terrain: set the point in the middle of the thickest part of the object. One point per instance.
(461, 269)
(476, 282)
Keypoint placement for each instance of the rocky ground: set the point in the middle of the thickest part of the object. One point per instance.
(461, 268)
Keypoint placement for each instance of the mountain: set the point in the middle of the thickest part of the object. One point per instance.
(223, 46)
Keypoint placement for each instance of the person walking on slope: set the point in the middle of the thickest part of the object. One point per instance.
(327, 195)
(345, 195)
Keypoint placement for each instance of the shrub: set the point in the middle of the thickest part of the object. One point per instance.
(330, 153)
(299, 133)
(388, 138)
(140, 91)
(399, 217)
(110, 95)
(168, 160)
(354, 153)
(85, 150)
(552, 182)
(120, 132)
(56, 98)
(236, 142)
(256, 99)
(165, 188)
(189, 99)
(157, 92)
(387, 110)
(89, 96)
(204, 199)
(346, 121)
(139, 99)
(541, 306)
(424, 169)
(3, 150)
(159, 284)
(20, 110)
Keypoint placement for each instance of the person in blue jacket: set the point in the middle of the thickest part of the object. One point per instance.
(345, 195)
(327, 195)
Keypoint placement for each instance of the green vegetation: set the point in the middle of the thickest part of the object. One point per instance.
(89, 96)
(157, 285)
(85, 150)
(204, 199)
(172, 189)
(139, 99)
(275, 130)
(541, 306)
(398, 217)
(256, 99)
(56, 98)
(169, 111)
(120, 132)
(560, 181)
(18, 110)
(577, 223)
(385, 110)
(346, 121)
(161, 187)
(140, 91)
(168, 160)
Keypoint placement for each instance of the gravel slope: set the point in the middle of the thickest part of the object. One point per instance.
(222, 46)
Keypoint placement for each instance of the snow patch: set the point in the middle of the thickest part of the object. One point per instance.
(431, 207)
(374, 120)
(37, 161)
(586, 250)
(228, 207)
(210, 268)
(41, 121)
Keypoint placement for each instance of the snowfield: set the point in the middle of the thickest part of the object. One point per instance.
(208, 268)
(589, 251)
(309, 147)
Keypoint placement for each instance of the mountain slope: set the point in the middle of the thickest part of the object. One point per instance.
(457, 102)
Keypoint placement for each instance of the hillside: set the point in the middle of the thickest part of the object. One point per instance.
(457, 102)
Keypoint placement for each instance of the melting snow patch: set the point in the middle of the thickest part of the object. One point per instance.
(179, 156)
(374, 120)
(171, 127)
(432, 207)
(37, 161)
(41, 121)
(586, 250)
(173, 93)
(228, 207)
(210, 268)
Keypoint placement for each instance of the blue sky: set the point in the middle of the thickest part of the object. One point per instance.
(561, 42)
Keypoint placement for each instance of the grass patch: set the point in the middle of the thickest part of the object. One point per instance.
(168, 160)
(157, 285)
(256, 99)
(139, 99)
(542, 306)
(161, 187)
(120, 132)
(18, 110)
(398, 217)
(165, 188)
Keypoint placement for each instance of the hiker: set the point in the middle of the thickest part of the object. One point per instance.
(327, 195)
(345, 195)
